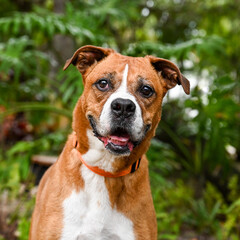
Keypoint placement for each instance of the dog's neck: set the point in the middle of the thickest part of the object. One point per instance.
(101, 172)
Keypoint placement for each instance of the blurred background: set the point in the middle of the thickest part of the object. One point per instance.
(195, 156)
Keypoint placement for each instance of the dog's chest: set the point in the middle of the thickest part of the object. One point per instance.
(88, 214)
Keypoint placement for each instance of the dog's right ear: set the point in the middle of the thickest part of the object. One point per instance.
(86, 56)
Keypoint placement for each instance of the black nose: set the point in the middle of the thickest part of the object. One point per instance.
(123, 107)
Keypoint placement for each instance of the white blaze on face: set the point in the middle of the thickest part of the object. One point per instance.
(123, 86)
(105, 117)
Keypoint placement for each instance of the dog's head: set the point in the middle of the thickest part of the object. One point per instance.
(122, 96)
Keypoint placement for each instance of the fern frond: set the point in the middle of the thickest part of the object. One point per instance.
(17, 53)
(49, 24)
(209, 45)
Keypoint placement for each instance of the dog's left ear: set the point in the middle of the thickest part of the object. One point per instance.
(170, 73)
(86, 56)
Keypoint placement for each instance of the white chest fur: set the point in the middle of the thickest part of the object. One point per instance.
(88, 214)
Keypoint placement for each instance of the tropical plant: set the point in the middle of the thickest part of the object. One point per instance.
(194, 159)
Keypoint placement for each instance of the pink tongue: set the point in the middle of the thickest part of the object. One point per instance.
(121, 141)
(105, 141)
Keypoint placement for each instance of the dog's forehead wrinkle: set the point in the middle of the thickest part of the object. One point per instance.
(142, 79)
(110, 75)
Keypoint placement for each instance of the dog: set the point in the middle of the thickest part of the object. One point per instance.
(99, 187)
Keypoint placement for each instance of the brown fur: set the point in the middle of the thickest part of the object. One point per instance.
(130, 194)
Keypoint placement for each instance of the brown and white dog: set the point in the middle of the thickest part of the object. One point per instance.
(99, 187)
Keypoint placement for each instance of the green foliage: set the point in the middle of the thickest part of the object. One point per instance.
(41, 21)
(194, 159)
(15, 170)
(18, 54)
(167, 202)
(203, 218)
(216, 118)
(210, 45)
(72, 86)
(15, 175)
(23, 229)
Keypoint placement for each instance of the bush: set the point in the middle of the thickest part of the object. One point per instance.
(194, 158)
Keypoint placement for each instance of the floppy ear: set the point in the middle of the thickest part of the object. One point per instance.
(86, 56)
(170, 73)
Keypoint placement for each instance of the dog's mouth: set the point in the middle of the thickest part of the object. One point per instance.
(118, 142)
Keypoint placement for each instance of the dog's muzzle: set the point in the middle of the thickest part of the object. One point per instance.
(120, 135)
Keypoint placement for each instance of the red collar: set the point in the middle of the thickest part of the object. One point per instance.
(101, 172)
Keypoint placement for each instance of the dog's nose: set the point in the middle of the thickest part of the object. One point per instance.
(123, 107)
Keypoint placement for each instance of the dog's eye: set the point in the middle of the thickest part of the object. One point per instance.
(102, 85)
(146, 91)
